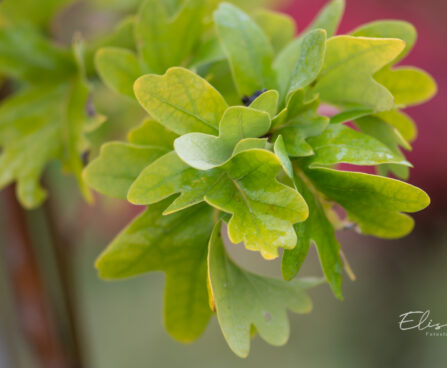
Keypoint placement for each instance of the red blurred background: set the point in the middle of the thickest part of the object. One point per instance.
(429, 155)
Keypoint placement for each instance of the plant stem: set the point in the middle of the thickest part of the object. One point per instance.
(62, 251)
(30, 294)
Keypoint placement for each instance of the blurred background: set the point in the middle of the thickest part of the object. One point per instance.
(121, 322)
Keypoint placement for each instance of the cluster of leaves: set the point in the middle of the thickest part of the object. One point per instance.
(48, 108)
(234, 146)
(267, 169)
(48, 112)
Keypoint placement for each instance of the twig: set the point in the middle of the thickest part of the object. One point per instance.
(62, 254)
(30, 294)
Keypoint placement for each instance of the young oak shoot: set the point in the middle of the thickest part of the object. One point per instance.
(268, 170)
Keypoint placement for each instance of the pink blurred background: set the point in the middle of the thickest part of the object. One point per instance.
(429, 155)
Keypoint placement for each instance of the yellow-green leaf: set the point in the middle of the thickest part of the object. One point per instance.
(181, 101)
(349, 66)
(245, 300)
(177, 245)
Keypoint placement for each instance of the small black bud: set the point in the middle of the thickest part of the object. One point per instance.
(84, 157)
(247, 101)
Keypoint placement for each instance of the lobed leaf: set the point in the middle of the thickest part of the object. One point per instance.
(402, 122)
(177, 245)
(281, 152)
(250, 143)
(244, 299)
(118, 165)
(347, 74)
(408, 85)
(319, 230)
(341, 144)
(29, 137)
(263, 210)
(298, 122)
(375, 203)
(25, 54)
(181, 101)
(151, 133)
(388, 135)
(267, 101)
(389, 29)
(204, 152)
(167, 176)
(350, 114)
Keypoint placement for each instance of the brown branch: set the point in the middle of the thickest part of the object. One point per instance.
(30, 294)
(62, 250)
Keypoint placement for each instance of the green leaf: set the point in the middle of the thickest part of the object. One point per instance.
(219, 75)
(118, 165)
(244, 299)
(122, 36)
(169, 175)
(250, 143)
(281, 152)
(284, 65)
(279, 28)
(27, 55)
(29, 137)
(402, 122)
(375, 203)
(44, 122)
(399, 171)
(118, 68)
(300, 122)
(319, 230)
(329, 17)
(385, 133)
(267, 101)
(310, 60)
(30, 11)
(181, 101)
(209, 51)
(349, 66)
(77, 118)
(204, 152)
(151, 133)
(263, 210)
(388, 135)
(177, 245)
(303, 55)
(350, 114)
(247, 48)
(389, 29)
(340, 144)
(73, 128)
(408, 85)
(167, 35)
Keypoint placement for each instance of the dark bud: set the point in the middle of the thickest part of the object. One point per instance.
(84, 157)
(246, 100)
